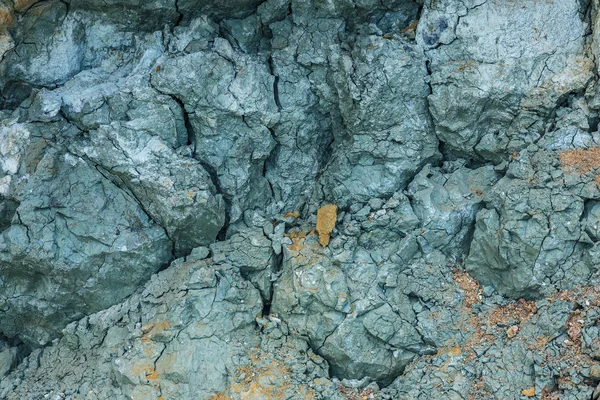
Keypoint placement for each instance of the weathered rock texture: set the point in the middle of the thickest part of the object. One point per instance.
(299, 199)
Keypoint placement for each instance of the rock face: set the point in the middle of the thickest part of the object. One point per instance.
(73, 239)
(299, 199)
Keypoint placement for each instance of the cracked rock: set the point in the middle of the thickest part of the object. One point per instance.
(299, 199)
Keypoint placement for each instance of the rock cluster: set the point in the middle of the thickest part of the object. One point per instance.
(299, 199)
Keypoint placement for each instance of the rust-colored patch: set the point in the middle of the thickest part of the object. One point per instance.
(455, 351)
(152, 330)
(465, 66)
(550, 394)
(585, 295)
(153, 375)
(7, 19)
(326, 218)
(529, 392)
(575, 327)
(411, 28)
(261, 379)
(254, 356)
(219, 396)
(476, 191)
(292, 214)
(451, 350)
(356, 394)
(297, 240)
(140, 368)
(258, 381)
(471, 288)
(479, 391)
(516, 312)
(582, 161)
(306, 394)
(161, 326)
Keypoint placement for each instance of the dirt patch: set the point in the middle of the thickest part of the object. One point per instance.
(582, 161)
(357, 394)
(297, 237)
(292, 214)
(471, 288)
(513, 313)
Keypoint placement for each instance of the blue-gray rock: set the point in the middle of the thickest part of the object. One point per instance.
(77, 244)
(457, 138)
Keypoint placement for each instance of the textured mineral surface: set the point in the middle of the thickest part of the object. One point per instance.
(299, 199)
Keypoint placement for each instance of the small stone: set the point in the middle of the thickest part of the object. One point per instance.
(596, 394)
(391, 203)
(375, 203)
(529, 392)
(595, 372)
(326, 218)
(199, 253)
(512, 331)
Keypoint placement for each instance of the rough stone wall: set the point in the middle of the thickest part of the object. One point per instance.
(299, 199)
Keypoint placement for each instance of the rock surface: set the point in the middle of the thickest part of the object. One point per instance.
(299, 199)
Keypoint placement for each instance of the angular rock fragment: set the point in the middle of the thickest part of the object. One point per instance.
(252, 253)
(326, 218)
(176, 192)
(446, 205)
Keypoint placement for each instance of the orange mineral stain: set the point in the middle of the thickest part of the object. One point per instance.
(326, 217)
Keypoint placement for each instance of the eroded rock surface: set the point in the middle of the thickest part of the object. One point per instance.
(169, 172)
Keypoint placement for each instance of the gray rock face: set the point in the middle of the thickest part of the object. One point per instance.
(73, 240)
(304, 131)
(229, 116)
(196, 319)
(500, 70)
(532, 238)
(446, 204)
(252, 253)
(388, 131)
(365, 290)
(163, 164)
(157, 334)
